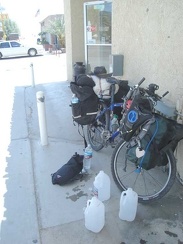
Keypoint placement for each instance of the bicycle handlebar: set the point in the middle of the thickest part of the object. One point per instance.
(132, 89)
(150, 91)
(141, 81)
(165, 94)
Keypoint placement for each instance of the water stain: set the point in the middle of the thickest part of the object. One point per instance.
(170, 233)
(86, 177)
(76, 189)
(75, 197)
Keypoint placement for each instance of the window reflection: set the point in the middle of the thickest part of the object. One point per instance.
(98, 21)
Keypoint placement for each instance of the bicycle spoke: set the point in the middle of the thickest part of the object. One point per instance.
(94, 136)
(155, 178)
(145, 185)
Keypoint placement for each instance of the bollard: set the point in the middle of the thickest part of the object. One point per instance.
(32, 72)
(42, 117)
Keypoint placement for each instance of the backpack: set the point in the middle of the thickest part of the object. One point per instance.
(68, 171)
(102, 87)
(138, 113)
(159, 133)
(85, 110)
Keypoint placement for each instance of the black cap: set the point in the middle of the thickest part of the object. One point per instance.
(101, 72)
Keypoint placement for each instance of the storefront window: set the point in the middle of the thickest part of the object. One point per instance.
(97, 34)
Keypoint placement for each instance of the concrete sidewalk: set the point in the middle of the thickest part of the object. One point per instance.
(35, 211)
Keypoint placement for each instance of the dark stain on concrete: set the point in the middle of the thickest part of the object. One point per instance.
(76, 189)
(75, 197)
(153, 233)
(170, 233)
(142, 241)
(86, 177)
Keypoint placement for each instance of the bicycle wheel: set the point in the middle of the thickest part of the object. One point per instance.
(150, 184)
(96, 130)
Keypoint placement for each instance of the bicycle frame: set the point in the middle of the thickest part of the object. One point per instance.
(111, 109)
(102, 131)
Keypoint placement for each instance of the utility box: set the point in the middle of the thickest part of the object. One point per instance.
(116, 64)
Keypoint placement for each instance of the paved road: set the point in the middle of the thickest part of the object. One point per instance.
(47, 68)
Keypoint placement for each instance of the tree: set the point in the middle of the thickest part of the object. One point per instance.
(10, 27)
(57, 28)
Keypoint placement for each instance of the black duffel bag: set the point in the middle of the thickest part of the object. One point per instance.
(68, 172)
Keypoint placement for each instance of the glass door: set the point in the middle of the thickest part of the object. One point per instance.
(97, 16)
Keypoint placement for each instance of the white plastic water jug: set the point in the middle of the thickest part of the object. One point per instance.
(128, 205)
(94, 215)
(102, 186)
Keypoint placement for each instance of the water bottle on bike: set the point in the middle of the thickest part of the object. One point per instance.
(114, 123)
(74, 99)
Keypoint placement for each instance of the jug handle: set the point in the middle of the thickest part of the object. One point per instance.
(123, 193)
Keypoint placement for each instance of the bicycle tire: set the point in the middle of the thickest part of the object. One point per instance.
(95, 129)
(150, 185)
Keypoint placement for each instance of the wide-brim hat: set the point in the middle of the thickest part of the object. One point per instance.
(101, 72)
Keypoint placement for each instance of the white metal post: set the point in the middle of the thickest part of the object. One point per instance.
(42, 117)
(32, 72)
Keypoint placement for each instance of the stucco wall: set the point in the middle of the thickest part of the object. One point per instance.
(150, 36)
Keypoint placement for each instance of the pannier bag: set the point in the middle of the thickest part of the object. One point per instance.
(68, 171)
(139, 112)
(159, 134)
(85, 110)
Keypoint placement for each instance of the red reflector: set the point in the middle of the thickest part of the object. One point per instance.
(128, 104)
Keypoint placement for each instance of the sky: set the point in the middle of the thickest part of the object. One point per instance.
(23, 13)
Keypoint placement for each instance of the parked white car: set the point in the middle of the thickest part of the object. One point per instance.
(15, 48)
